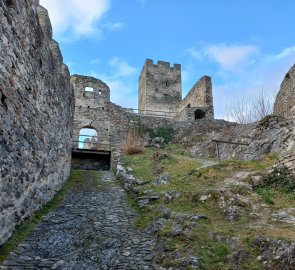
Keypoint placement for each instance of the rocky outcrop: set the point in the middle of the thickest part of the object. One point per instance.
(36, 113)
(276, 254)
(285, 100)
(273, 134)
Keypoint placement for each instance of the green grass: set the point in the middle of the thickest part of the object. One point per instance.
(266, 195)
(79, 180)
(192, 182)
(177, 164)
(184, 170)
(213, 255)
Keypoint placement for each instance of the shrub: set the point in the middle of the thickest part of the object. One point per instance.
(132, 144)
(165, 132)
(280, 178)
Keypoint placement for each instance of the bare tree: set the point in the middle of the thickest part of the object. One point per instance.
(246, 110)
(262, 105)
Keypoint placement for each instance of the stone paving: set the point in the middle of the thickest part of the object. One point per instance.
(93, 228)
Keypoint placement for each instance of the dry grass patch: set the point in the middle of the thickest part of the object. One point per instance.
(132, 143)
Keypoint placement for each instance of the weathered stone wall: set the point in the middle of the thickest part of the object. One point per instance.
(199, 97)
(159, 86)
(36, 112)
(94, 110)
(285, 100)
(91, 109)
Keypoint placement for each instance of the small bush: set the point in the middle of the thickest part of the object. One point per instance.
(280, 178)
(132, 144)
(165, 132)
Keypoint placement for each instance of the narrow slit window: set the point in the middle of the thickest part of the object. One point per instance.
(88, 89)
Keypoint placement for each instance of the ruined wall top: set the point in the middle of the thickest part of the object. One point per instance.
(201, 93)
(285, 100)
(162, 64)
(90, 91)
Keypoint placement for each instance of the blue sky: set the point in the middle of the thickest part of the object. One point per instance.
(244, 45)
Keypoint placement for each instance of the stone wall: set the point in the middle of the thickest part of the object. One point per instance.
(199, 98)
(285, 106)
(285, 100)
(36, 113)
(95, 111)
(159, 86)
(91, 109)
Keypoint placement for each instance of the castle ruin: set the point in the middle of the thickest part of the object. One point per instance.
(40, 122)
(160, 103)
(160, 91)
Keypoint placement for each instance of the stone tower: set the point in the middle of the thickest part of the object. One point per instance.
(159, 86)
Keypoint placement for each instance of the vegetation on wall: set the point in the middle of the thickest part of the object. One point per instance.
(165, 131)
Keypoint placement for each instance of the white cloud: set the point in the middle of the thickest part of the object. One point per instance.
(285, 53)
(75, 16)
(114, 26)
(194, 53)
(121, 68)
(121, 81)
(241, 71)
(231, 57)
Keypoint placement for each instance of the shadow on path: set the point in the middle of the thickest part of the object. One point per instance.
(91, 229)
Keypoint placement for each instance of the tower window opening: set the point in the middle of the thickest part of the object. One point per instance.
(88, 89)
(199, 114)
(99, 92)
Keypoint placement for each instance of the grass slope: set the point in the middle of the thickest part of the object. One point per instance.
(210, 239)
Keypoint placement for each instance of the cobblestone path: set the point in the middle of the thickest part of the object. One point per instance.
(93, 228)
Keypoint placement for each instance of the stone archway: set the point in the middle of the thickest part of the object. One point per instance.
(88, 138)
